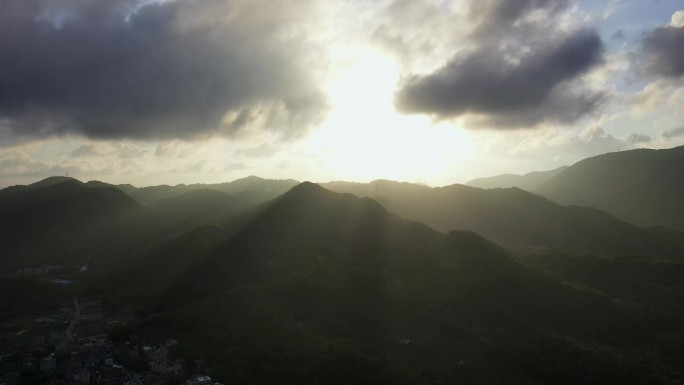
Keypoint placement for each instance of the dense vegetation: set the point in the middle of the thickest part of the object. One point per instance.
(329, 288)
(641, 186)
(514, 218)
(314, 286)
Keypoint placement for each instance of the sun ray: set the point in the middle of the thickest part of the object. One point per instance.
(364, 136)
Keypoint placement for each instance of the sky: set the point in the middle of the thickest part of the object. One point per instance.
(438, 92)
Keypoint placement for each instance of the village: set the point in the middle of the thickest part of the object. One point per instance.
(72, 346)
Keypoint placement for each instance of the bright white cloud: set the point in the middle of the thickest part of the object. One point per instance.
(677, 19)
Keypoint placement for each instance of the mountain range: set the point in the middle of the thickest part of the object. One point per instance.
(333, 287)
(640, 186)
(514, 218)
(280, 282)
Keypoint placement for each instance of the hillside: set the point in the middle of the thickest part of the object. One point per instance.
(329, 288)
(641, 186)
(62, 220)
(58, 219)
(514, 218)
(252, 190)
(528, 182)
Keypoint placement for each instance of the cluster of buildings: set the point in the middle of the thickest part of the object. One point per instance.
(55, 361)
(53, 354)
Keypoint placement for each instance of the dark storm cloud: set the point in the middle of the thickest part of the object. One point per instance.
(145, 70)
(510, 93)
(518, 68)
(663, 51)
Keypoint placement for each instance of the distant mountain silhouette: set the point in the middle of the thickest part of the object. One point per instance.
(644, 187)
(514, 218)
(332, 288)
(528, 182)
(253, 189)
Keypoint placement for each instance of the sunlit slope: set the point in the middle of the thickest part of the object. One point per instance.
(527, 182)
(644, 187)
(514, 217)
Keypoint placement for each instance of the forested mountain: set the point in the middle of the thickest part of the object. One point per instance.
(528, 182)
(51, 220)
(251, 189)
(514, 218)
(350, 287)
(334, 289)
(642, 186)
(62, 220)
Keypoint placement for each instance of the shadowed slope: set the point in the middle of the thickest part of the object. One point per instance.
(57, 218)
(331, 288)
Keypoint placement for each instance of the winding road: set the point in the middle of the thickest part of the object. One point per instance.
(70, 328)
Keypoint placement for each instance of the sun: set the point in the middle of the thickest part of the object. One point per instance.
(365, 138)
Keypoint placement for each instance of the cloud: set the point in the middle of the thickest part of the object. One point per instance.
(677, 19)
(157, 70)
(87, 150)
(510, 92)
(663, 51)
(497, 18)
(19, 164)
(260, 151)
(676, 132)
(121, 150)
(236, 166)
(557, 147)
(639, 138)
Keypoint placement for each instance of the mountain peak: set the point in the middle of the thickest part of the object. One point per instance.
(52, 180)
(307, 186)
(306, 191)
(251, 178)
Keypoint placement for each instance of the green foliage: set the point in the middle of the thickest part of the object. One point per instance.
(515, 218)
(320, 287)
(328, 288)
(642, 186)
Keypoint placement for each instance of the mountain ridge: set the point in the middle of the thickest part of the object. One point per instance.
(317, 275)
